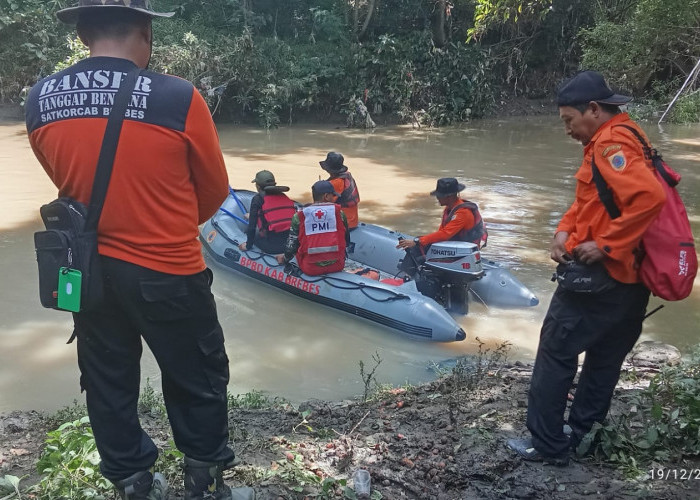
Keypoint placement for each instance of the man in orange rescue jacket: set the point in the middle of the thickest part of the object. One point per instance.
(168, 177)
(604, 324)
(461, 219)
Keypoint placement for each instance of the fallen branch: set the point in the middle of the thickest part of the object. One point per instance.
(358, 423)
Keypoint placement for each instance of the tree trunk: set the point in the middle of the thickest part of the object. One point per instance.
(355, 16)
(247, 8)
(368, 18)
(439, 37)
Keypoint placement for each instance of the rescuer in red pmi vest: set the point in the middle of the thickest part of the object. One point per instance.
(318, 234)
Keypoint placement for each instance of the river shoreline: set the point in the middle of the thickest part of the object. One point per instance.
(439, 440)
(11, 112)
(506, 105)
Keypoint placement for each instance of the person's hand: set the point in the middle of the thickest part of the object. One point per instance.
(280, 259)
(557, 249)
(406, 244)
(243, 246)
(246, 216)
(588, 252)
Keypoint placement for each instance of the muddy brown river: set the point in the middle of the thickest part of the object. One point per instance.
(519, 170)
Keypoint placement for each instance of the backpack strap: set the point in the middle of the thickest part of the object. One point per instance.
(653, 155)
(110, 141)
(604, 192)
(648, 151)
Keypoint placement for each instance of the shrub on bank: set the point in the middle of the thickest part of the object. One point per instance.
(273, 81)
(31, 43)
(661, 426)
(648, 48)
(279, 62)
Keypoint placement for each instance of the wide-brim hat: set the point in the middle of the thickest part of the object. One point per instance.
(275, 189)
(70, 15)
(587, 86)
(447, 186)
(334, 162)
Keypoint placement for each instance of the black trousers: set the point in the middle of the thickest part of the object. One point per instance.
(272, 243)
(176, 316)
(605, 326)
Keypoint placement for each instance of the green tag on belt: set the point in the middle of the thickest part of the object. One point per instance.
(69, 286)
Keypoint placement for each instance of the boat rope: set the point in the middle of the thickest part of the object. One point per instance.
(238, 200)
(363, 287)
(478, 296)
(239, 219)
(335, 282)
(240, 205)
(261, 256)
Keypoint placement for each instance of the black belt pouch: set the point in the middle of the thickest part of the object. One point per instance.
(66, 244)
(582, 278)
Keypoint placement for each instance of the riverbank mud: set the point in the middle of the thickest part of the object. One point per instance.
(442, 440)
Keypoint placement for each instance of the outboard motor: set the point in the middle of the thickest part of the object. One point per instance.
(447, 271)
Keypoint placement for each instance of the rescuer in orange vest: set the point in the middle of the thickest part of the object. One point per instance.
(343, 183)
(461, 219)
(604, 322)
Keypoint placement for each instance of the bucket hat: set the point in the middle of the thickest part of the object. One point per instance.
(588, 86)
(323, 187)
(70, 15)
(334, 162)
(264, 178)
(447, 186)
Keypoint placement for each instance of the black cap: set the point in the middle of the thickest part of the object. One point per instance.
(588, 86)
(447, 186)
(333, 162)
(322, 187)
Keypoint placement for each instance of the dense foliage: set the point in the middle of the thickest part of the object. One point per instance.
(31, 42)
(652, 40)
(653, 45)
(313, 64)
(423, 61)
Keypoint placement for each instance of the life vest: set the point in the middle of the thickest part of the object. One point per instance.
(366, 272)
(321, 238)
(349, 196)
(276, 213)
(477, 234)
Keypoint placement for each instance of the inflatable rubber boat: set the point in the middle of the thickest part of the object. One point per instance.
(372, 286)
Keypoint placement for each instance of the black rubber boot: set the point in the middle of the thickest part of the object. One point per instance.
(143, 485)
(205, 481)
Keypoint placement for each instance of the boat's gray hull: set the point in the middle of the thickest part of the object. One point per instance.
(401, 308)
(376, 247)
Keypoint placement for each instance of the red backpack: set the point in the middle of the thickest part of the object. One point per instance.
(669, 263)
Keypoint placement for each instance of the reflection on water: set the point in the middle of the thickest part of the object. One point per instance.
(519, 171)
